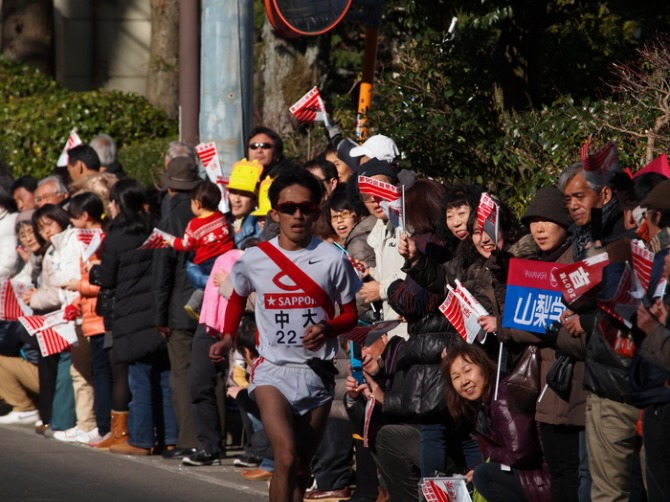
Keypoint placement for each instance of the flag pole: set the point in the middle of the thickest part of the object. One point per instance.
(500, 351)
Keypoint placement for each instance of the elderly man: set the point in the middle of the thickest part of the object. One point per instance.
(51, 190)
(610, 437)
(105, 147)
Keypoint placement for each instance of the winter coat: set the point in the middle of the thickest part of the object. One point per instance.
(214, 305)
(356, 242)
(250, 229)
(172, 288)
(128, 272)
(513, 439)
(383, 239)
(99, 183)
(91, 323)
(9, 258)
(417, 394)
(61, 264)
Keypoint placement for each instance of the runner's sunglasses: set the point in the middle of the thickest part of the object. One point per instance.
(306, 208)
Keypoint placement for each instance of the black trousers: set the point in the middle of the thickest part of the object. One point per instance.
(561, 451)
(398, 453)
(656, 433)
(332, 468)
(206, 380)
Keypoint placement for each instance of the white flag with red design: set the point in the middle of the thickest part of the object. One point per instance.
(12, 305)
(72, 141)
(460, 301)
(487, 216)
(643, 260)
(310, 107)
(89, 240)
(209, 157)
(382, 190)
(446, 489)
(53, 331)
(156, 240)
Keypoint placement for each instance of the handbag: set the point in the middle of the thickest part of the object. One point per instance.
(523, 382)
(559, 376)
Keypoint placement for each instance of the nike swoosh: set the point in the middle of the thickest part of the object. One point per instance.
(313, 262)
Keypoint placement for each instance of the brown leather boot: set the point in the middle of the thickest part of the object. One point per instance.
(127, 449)
(119, 432)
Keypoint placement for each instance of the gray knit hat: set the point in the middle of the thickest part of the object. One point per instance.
(548, 205)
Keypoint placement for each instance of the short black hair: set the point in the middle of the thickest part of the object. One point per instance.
(86, 154)
(246, 335)
(299, 177)
(327, 167)
(26, 181)
(208, 194)
(86, 202)
(53, 212)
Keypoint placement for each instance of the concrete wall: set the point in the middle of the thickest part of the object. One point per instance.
(102, 43)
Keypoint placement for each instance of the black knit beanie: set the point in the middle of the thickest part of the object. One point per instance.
(548, 205)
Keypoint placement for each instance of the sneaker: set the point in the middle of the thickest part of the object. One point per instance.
(97, 439)
(202, 457)
(76, 435)
(194, 304)
(247, 461)
(20, 417)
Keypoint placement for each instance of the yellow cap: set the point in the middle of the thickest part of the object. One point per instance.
(245, 175)
(263, 198)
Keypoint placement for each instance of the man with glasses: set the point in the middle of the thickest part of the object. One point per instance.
(51, 190)
(297, 279)
(265, 146)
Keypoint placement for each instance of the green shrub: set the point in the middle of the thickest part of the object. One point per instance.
(38, 115)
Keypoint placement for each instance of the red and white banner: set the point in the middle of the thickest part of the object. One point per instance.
(385, 191)
(577, 278)
(156, 240)
(72, 141)
(54, 333)
(11, 304)
(469, 308)
(624, 303)
(599, 166)
(210, 160)
(309, 108)
(452, 489)
(487, 216)
(89, 240)
(643, 260)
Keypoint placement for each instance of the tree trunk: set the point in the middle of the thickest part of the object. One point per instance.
(28, 33)
(286, 70)
(163, 78)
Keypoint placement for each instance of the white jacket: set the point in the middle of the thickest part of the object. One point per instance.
(9, 258)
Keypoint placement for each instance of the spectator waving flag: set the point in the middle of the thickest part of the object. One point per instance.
(11, 305)
(89, 240)
(156, 240)
(310, 107)
(209, 157)
(487, 216)
(72, 141)
(391, 198)
(53, 331)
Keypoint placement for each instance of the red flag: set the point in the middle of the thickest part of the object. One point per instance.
(642, 263)
(89, 240)
(487, 216)
(600, 166)
(658, 165)
(623, 304)
(309, 108)
(376, 188)
(577, 278)
(156, 240)
(10, 309)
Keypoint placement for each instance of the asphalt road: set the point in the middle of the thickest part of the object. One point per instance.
(36, 469)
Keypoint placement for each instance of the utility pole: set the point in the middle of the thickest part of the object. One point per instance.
(226, 80)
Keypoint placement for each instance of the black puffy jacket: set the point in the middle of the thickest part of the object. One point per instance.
(128, 271)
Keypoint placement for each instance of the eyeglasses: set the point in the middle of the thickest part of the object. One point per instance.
(345, 214)
(366, 197)
(264, 146)
(46, 196)
(306, 208)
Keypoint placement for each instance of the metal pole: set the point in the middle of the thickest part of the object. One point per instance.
(189, 70)
(226, 79)
(369, 64)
